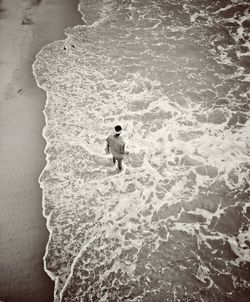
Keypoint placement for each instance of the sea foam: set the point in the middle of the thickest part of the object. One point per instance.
(174, 223)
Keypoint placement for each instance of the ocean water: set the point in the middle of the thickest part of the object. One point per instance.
(174, 224)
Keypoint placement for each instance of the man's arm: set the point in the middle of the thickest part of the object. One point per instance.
(107, 149)
(122, 149)
(123, 152)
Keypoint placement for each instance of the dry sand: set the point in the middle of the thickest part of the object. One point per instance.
(25, 27)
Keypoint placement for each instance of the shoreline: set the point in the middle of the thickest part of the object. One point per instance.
(24, 234)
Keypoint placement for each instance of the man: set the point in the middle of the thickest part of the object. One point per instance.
(117, 146)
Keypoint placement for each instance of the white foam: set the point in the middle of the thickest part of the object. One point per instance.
(88, 205)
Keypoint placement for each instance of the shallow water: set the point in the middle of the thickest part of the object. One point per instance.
(174, 224)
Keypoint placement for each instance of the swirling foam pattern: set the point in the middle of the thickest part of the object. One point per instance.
(174, 224)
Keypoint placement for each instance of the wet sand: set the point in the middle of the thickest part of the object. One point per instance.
(25, 27)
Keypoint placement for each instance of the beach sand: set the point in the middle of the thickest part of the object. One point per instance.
(25, 27)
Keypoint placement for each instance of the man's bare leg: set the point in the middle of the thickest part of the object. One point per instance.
(119, 163)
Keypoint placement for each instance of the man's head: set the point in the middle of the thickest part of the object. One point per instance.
(118, 130)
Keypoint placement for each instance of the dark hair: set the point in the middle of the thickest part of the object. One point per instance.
(118, 128)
